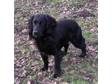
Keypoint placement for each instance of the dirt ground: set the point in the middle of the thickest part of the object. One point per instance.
(27, 60)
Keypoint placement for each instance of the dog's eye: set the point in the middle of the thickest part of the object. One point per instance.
(35, 22)
(39, 23)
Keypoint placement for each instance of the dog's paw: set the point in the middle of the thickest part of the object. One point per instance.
(56, 75)
(44, 69)
(82, 55)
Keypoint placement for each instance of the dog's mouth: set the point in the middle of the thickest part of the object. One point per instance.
(37, 35)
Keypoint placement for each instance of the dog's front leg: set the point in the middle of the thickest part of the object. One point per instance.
(57, 59)
(45, 60)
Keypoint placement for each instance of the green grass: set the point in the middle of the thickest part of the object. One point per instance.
(80, 81)
(87, 34)
(80, 71)
(55, 1)
(71, 80)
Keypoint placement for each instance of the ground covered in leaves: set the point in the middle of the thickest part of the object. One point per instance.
(27, 60)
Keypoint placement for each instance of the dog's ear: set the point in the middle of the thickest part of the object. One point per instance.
(50, 24)
(30, 27)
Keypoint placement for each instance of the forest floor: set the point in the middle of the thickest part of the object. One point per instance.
(27, 60)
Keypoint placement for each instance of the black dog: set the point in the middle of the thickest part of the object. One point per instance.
(50, 36)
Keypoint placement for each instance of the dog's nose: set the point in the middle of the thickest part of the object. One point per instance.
(35, 34)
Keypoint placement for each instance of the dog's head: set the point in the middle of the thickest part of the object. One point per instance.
(41, 25)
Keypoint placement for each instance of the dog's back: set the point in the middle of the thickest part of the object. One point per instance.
(66, 28)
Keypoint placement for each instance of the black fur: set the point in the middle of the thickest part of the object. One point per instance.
(50, 36)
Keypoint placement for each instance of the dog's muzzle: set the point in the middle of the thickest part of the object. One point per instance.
(37, 34)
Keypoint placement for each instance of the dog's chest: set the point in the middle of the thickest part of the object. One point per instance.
(46, 45)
